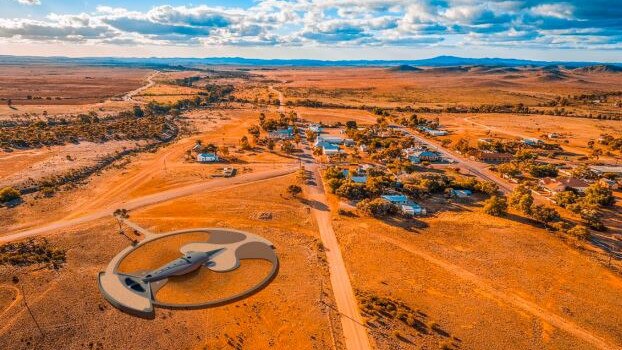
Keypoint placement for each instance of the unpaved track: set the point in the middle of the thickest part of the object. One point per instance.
(506, 296)
(354, 332)
(130, 95)
(214, 185)
(352, 323)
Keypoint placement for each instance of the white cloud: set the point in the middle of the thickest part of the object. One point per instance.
(336, 23)
(29, 2)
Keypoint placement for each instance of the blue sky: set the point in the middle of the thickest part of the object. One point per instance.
(319, 29)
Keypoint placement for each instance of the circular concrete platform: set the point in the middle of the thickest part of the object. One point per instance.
(246, 264)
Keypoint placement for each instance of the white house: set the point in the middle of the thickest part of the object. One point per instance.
(207, 157)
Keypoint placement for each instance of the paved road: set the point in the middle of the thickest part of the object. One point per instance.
(213, 185)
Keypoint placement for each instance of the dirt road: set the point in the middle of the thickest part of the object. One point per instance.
(352, 323)
(214, 185)
(507, 297)
(353, 330)
(130, 95)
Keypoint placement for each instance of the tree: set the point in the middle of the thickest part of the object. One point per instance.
(521, 199)
(254, 132)
(377, 207)
(592, 217)
(244, 143)
(351, 124)
(287, 147)
(223, 150)
(545, 215)
(597, 193)
(271, 144)
(488, 187)
(8, 194)
(579, 232)
(496, 206)
(294, 190)
(310, 135)
(138, 112)
(565, 198)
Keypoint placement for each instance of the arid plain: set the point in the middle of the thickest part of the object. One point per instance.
(76, 144)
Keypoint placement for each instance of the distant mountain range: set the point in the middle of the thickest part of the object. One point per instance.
(440, 61)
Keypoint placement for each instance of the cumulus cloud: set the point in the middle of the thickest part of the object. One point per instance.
(552, 23)
(29, 2)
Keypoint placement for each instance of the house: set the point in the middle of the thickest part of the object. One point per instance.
(406, 205)
(493, 157)
(207, 157)
(335, 140)
(553, 186)
(413, 209)
(397, 199)
(553, 135)
(359, 179)
(363, 148)
(282, 134)
(530, 141)
(424, 156)
(433, 132)
(461, 193)
(328, 148)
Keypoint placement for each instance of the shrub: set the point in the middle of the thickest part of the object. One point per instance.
(8, 194)
(579, 232)
(294, 190)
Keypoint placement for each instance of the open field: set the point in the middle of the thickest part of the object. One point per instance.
(66, 85)
(491, 283)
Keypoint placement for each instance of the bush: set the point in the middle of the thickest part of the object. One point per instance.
(294, 190)
(8, 194)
